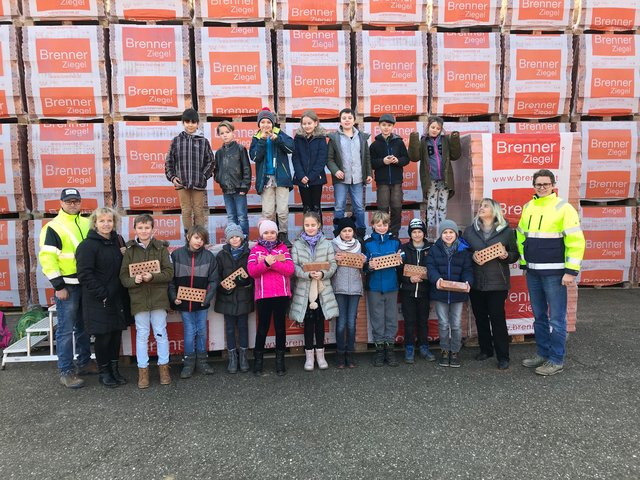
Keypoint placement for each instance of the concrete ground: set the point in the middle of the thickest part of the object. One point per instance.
(418, 421)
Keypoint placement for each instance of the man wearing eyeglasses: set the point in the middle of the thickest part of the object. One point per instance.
(58, 242)
(551, 245)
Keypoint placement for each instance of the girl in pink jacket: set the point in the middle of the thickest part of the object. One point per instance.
(271, 266)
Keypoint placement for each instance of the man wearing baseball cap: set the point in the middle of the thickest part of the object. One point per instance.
(58, 242)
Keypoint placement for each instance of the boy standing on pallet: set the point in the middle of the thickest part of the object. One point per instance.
(189, 165)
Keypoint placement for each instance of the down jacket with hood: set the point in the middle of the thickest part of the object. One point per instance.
(457, 268)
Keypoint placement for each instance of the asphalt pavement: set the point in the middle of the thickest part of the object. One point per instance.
(415, 421)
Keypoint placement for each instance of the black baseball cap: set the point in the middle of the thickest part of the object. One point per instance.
(69, 194)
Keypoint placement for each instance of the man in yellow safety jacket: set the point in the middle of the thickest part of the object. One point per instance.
(58, 242)
(551, 245)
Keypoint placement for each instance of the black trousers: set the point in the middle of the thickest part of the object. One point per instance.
(276, 307)
(313, 325)
(311, 196)
(415, 312)
(107, 346)
(488, 308)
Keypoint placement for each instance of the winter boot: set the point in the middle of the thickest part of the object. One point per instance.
(322, 363)
(106, 377)
(280, 368)
(233, 361)
(378, 358)
(341, 359)
(189, 366)
(390, 355)
(408, 354)
(258, 362)
(116, 373)
(165, 374)
(308, 364)
(201, 364)
(143, 377)
(243, 360)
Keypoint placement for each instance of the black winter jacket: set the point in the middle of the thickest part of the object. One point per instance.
(309, 159)
(457, 268)
(190, 159)
(238, 301)
(195, 270)
(411, 256)
(232, 168)
(104, 299)
(380, 148)
(493, 275)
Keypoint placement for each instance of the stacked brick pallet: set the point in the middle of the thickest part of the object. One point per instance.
(118, 79)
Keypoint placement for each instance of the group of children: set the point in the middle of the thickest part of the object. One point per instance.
(308, 284)
(346, 153)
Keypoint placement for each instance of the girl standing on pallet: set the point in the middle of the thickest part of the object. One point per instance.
(313, 300)
(435, 151)
(309, 161)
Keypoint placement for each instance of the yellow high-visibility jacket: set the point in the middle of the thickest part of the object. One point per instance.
(550, 240)
(59, 240)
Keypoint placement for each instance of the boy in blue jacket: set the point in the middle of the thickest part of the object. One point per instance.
(269, 149)
(449, 259)
(382, 290)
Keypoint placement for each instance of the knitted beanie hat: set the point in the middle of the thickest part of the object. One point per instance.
(342, 223)
(266, 225)
(231, 231)
(268, 114)
(448, 224)
(417, 224)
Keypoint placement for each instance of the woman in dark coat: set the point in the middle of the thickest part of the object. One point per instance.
(491, 280)
(104, 308)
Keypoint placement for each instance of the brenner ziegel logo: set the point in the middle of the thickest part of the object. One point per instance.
(541, 9)
(608, 45)
(538, 64)
(151, 91)
(314, 81)
(392, 6)
(609, 184)
(467, 76)
(525, 151)
(63, 55)
(536, 104)
(165, 227)
(313, 40)
(233, 32)
(236, 106)
(605, 244)
(68, 101)
(612, 82)
(235, 68)
(227, 9)
(466, 40)
(395, 104)
(621, 18)
(601, 276)
(610, 144)
(144, 156)
(68, 170)
(312, 11)
(461, 10)
(53, 5)
(393, 66)
(66, 133)
(145, 198)
(149, 44)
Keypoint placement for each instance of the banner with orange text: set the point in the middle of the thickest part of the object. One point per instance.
(150, 10)
(228, 11)
(63, 9)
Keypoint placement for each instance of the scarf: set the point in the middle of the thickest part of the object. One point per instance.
(452, 249)
(236, 252)
(352, 246)
(268, 245)
(312, 241)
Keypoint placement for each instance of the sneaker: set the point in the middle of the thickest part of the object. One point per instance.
(408, 354)
(71, 380)
(453, 360)
(534, 362)
(90, 368)
(426, 354)
(444, 359)
(549, 368)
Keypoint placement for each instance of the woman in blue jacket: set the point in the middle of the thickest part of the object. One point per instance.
(309, 160)
(449, 259)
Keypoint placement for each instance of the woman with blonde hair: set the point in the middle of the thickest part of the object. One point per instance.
(104, 306)
(491, 279)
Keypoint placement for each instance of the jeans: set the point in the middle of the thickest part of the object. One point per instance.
(346, 322)
(383, 315)
(195, 331)
(158, 320)
(230, 323)
(549, 303)
(355, 190)
(192, 205)
(69, 313)
(488, 308)
(450, 318)
(415, 312)
(389, 200)
(236, 206)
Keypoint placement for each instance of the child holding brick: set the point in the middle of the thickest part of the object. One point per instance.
(188, 166)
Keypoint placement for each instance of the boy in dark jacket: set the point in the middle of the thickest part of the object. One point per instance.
(148, 294)
(195, 267)
(236, 303)
(188, 166)
(269, 149)
(449, 259)
(414, 292)
(232, 171)
(382, 290)
(388, 157)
